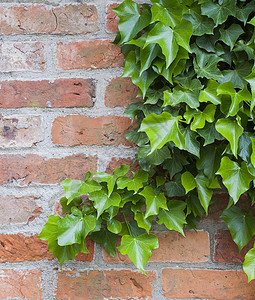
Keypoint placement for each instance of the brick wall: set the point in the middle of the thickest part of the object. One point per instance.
(62, 114)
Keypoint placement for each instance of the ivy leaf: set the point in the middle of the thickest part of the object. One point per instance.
(148, 54)
(243, 13)
(166, 126)
(204, 193)
(131, 20)
(231, 172)
(176, 163)
(194, 206)
(230, 35)
(253, 151)
(156, 157)
(241, 225)
(251, 79)
(182, 33)
(66, 208)
(191, 143)
(174, 217)
(102, 201)
(153, 201)
(218, 12)
(188, 181)
(139, 138)
(245, 147)
(231, 130)
(73, 229)
(179, 95)
(106, 239)
(133, 184)
(163, 36)
(138, 248)
(143, 222)
(249, 264)
(75, 188)
(168, 13)
(114, 226)
(209, 94)
(252, 21)
(175, 188)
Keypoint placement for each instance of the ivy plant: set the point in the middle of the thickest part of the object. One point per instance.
(194, 64)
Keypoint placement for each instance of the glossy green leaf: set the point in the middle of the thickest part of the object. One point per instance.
(188, 181)
(66, 208)
(156, 157)
(209, 133)
(174, 188)
(176, 163)
(230, 172)
(166, 126)
(114, 226)
(203, 190)
(182, 33)
(230, 35)
(249, 262)
(139, 248)
(106, 239)
(241, 225)
(251, 79)
(143, 222)
(191, 143)
(133, 184)
(231, 130)
(182, 95)
(253, 151)
(209, 94)
(148, 54)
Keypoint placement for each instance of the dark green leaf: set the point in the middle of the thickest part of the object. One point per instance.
(175, 188)
(230, 35)
(106, 239)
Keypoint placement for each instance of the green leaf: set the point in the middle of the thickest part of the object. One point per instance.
(143, 222)
(153, 201)
(175, 188)
(230, 35)
(249, 262)
(148, 54)
(210, 134)
(169, 13)
(114, 226)
(139, 248)
(102, 201)
(191, 143)
(204, 193)
(163, 36)
(180, 95)
(75, 188)
(131, 20)
(245, 147)
(176, 163)
(188, 181)
(166, 126)
(241, 225)
(231, 130)
(243, 13)
(182, 33)
(174, 217)
(66, 208)
(73, 229)
(133, 184)
(253, 151)
(156, 157)
(194, 206)
(209, 94)
(237, 179)
(251, 79)
(252, 21)
(106, 239)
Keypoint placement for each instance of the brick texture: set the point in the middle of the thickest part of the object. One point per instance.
(22, 56)
(59, 93)
(20, 284)
(111, 18)
(40, 19)
(19, 131)
(226, 250)
(94, 54)
(34, 168)
(18, 210)
(75, 130)
(120, 92)
(206, 284)
(194, 248)
(116, 284)
(114, 163)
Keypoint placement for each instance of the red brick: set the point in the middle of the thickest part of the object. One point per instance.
(226, 250)
(174, 247)
(22, 56)
(34, 168)
(121, 92)
(87, 256)
(95, 54)
(41, 19)
(111, 18)
(206, 284)
(114, 163)
(20, 284)
(121, 284)
(59, 93)
(19, 131)
(75, 130)
(18, 248)
(18, 210)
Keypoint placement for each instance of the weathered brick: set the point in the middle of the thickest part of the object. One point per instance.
(34, 168)
(114, 163)
(22, 56)
(111, 18)
(226, 250)
(59, 93)
(20, 284)
(206, 284)
(19, 131)
(95, 54)
(75, 130)
(29, 19)
(18, 210)
(175, 248)
(119, 284)
(87, 256)
(120, 92)
(18, 248)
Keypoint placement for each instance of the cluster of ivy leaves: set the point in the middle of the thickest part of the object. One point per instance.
(194, 63)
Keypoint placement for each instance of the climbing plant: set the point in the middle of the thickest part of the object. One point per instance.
(194, 64)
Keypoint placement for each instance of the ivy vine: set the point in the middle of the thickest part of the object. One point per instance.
(194, 63)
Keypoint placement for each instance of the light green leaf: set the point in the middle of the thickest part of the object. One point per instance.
(139, 248)
(174, 217)
(251, 79)
(249, 262)
(188, 181)
(209, 94)
(252, 21)
(182, 33)
(203, 190)
(236, 178)
(106, 239)
(241, 225)
(153, 201)
(114, 226)
(163, 36)
(166, 126)
(143, 222)
(253, 151)
(133, 184)
(191, 143)
(230, 35)
(231, 130)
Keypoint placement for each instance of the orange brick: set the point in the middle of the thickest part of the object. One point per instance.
(206, 284)
(111, 18)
